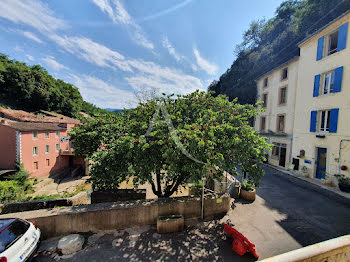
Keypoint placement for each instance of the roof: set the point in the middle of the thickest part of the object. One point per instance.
(322, 28)
(20, 115)
(279, 66)
(33, 126)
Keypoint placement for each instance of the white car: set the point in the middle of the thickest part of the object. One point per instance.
(19, 240)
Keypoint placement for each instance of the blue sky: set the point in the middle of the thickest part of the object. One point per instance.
(113, 50)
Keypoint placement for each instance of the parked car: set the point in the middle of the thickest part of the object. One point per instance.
(19, 240)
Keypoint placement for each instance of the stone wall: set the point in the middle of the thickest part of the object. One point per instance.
(119, 215)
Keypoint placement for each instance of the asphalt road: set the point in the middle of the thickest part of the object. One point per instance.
(284, 217)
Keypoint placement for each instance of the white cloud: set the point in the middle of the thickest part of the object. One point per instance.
(32, 13)
(166, 44)
(53, 64)
(30, 58)
(119, 15)
(102, 94)
(31, 36)
(208, 67)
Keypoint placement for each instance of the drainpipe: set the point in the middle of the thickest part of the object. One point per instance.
(290, 150)
(341, 141)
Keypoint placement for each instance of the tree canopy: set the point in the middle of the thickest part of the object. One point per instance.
(32, 88)
(170, 141)
(267, 44)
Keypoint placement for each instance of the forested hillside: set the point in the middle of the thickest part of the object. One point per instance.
(32, 88)
(267, 44)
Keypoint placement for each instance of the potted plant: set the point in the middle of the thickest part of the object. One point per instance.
(343, 182)
(170, 223)
(248, 191)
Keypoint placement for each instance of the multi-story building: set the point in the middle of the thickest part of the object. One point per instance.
(321, 143)
(41, 143)
(277, 89)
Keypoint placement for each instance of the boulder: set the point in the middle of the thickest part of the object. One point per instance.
(70, 244)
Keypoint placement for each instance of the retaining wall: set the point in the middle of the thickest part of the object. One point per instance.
(119, 215)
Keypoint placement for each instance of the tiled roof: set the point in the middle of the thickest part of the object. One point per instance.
(24, 116)
(32, 126)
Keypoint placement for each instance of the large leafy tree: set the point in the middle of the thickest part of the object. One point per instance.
(169, 141)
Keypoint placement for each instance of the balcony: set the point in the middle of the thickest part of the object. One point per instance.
(67, 152)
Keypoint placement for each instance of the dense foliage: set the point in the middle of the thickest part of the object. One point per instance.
(267, 44)
(170, 141)
(32, 88)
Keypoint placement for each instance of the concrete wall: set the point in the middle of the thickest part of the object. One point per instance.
(305, 103)
(337, 249)
(7, 147)
(273, 109)
(119, 215)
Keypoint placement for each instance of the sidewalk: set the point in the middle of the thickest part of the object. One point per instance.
(313, 184)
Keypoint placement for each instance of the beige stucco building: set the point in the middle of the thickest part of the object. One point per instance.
(277, 91)
(321, 134)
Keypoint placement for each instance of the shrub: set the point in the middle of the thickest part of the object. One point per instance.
(248, 185)
(12, 191)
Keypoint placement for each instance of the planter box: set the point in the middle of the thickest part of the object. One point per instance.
(117, 195)
(248, 195)
(169, 224)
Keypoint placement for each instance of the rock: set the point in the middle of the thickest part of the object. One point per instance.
(70, 244)
(156, 235)
(94, 238)
(117, 242)
(49, 245)
(119, 233)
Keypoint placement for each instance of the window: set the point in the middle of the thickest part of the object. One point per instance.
(324, 117)
(57, 147)
(47, 149)
(332, 43)
(264, 100)
(262, 123)
(276, 150)
(280, 123)
(35, 134)
(36, 165)
(47, 134)
(284, 73)
(47, 162)
(266, 81)
(57, 134)
(35, 151)
(328, 82)
(11, 233)
(283, 96)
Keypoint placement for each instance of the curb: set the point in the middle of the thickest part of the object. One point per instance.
(306, 183)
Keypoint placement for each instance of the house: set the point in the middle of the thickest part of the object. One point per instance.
(277, 90)
(40, 142)
(321, 134)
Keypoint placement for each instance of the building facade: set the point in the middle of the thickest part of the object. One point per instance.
(277, 90)
(40, 143)
(321, 143)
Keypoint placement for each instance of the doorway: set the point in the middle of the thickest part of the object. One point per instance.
(283, 153)
(321, 163)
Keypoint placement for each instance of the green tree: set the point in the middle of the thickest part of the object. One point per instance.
(170, 141)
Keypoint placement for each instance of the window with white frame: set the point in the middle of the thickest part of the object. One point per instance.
(266, 81)
(331, 43)
(47, 149)
(284, 73)
(57, 147)
(324, 117)
(47, 134)
(35, 134)
(57, 134)
(35, 151)
(328, 82)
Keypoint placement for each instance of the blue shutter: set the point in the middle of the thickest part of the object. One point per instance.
(338, 77)
(320, 48)
(313, 121)
(316, 85)
(333, 122)
(342, 35)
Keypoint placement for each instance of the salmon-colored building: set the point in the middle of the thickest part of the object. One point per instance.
(40, 142)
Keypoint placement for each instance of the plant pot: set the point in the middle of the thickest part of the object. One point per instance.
(170, 224)
(344, 187)
(248, 195)
(235, 190)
